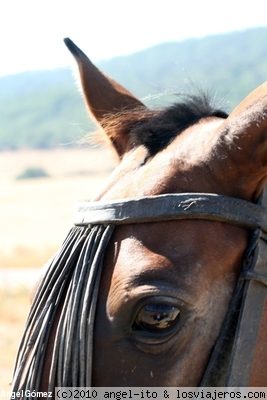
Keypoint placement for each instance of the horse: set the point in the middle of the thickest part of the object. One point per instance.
(161, 258)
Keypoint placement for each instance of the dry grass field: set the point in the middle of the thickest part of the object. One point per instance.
(37, 213)
(14, 307)
(35, 216)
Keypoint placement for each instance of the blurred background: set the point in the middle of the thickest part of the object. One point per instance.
(48, 161)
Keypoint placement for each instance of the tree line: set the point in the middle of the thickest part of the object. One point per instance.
(44, 109)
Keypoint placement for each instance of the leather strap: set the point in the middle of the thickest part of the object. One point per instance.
(210, 207)
(248, 364)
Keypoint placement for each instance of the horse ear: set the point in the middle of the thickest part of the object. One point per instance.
(245, 136)
(103, 95)
(255, 104)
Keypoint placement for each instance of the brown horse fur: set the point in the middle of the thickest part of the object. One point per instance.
(192, 265)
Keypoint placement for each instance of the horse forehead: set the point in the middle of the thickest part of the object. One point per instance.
(197, 142)
(188, 255)
(139, 175)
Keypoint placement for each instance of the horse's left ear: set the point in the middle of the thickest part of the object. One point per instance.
(103, 95)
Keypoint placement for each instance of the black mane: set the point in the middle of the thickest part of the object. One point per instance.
(162, 126)
(155, 129)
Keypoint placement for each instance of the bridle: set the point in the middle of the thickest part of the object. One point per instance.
(248, 304)
(70, 287)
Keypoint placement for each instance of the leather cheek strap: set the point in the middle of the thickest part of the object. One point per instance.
(248, 363)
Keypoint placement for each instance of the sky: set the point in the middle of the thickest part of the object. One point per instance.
(31, 31)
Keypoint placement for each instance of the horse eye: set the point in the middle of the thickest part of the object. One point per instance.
(156, 317)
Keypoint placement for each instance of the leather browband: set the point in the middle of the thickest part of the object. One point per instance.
(171, 207)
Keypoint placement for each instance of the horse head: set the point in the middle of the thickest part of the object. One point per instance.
(166, 285)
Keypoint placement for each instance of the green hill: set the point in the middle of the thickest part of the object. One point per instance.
(44, 108)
